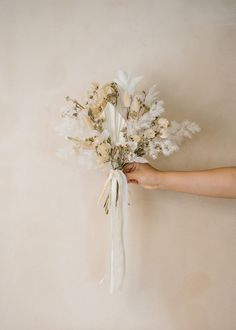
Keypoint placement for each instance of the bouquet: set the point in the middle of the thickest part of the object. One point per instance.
(114, 125)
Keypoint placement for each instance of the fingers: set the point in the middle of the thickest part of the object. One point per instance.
(129, 171)
(130, 167)
(133, 181)
(131, 177)
(127, 168)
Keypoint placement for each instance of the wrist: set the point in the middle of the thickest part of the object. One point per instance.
(160, 179)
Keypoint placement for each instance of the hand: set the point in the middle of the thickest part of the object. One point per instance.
(217, 182)
(142, 174)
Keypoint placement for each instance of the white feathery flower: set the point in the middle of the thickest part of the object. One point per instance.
(177, 131)
(148, 117)
(74, 128)
(168, 147)
(192, 127)
(152, 150)
(125, 81)
(157, 108)
(151, 96)
(163, 122)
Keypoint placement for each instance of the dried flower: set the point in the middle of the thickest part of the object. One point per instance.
(164, 133)
(103, 151)
(135, 138)
(163, 122)
(126, 99)
(135, 106)
(149, 133)
(117, 125)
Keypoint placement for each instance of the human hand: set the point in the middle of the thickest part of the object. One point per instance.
(216, 182)
(142, 174)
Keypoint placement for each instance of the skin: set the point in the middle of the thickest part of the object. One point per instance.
(217, 182)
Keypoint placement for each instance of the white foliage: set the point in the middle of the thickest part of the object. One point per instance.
(126, 82)
(147, 118)
(74, 128)
(152, 96)
(178, 131)
(168, 147)
(153, 149)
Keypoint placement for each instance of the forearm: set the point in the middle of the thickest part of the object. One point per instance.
(219, 182)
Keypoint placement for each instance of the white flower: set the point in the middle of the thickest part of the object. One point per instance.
(164, 133)
(103, 151)
(126, 82)
(163, 122)
(153, 149)
(168, 147)
(149, 133)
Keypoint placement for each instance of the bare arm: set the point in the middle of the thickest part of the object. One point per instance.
(218, 182)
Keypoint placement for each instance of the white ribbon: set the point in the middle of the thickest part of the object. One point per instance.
(117, 188)
(117, 192)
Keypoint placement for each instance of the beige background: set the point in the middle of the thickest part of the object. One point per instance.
(54, 241)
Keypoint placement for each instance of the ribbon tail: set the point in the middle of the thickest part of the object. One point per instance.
(118, 217)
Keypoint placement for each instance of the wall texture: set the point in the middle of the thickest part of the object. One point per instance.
(54, 241)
